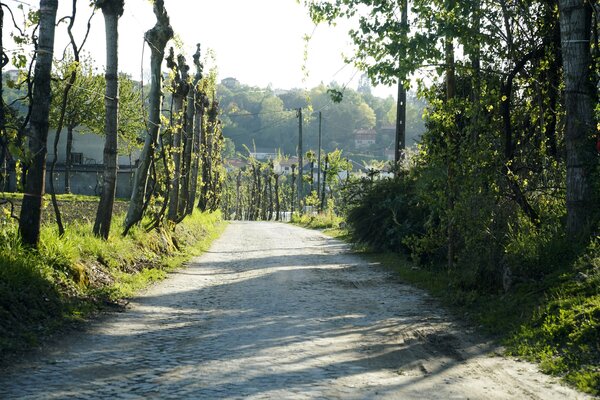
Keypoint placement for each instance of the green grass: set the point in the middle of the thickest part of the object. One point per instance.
(325, 220)
(554, 321)
(69, 278)
(47, 197)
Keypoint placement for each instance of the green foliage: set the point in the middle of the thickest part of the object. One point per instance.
(383, 214)
(489, 185)
(69, 277)
(564, 333)
(30, 299)
(325, 220)
(266, 118)
(85, 105)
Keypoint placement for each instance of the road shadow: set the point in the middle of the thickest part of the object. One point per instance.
(255, 327)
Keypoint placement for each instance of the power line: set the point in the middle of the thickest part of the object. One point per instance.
(275, 124)
(22, 2)
(258, 113)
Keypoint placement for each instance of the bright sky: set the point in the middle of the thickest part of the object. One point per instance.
(259, 42)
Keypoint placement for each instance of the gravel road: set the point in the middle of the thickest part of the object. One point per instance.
(274, 311)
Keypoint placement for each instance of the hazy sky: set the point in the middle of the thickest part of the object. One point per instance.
(259, 42)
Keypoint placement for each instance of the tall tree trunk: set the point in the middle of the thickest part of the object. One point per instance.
(179, 94)
(300, 162)
(575, 28)
(452, 143)
(277, 200)
(195, 130)
(259, 192)
(293, 185)
(216, 163)
(264, 205)
(206, 197)
(324, 181)
(400, 141)
(271, 199)
(238, 183)
(188, 131)
(312, 175)
(319, 155)
(157, 37)
(112, 11)
(31, 209)
(199, 128)
(3, 61)
(3, 137)
(552, 84)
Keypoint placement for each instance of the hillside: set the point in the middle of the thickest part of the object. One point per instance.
(361, 124)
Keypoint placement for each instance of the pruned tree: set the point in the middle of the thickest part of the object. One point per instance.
(212, 143)
(157, 37)
(188, 146)
(200, 104)
(31, 209)
(112, 10)
(180, 88)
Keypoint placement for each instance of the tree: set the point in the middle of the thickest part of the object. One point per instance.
(31, 209)
(311, 157)
(157, 37)
(365, 116)
(64, 98)
(112, 11)
(575, 30)
(200, 106)
(187, 199)
(180, 88)
(3, 61)
(364, 85)
(131, 117)
(3, 133)
(82, 105)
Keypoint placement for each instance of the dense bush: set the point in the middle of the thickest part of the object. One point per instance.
(384, 213)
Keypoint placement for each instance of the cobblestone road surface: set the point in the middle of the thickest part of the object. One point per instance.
(274, 311)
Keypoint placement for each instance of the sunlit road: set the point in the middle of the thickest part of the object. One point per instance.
(274, 311)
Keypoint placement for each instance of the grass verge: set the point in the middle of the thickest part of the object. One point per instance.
(323, 220)
(70, 278)
(554, 321)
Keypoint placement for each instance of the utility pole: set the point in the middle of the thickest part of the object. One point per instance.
(319, 161)
(300, 164)
(400, 142)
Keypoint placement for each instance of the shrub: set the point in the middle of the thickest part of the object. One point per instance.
(383, 214)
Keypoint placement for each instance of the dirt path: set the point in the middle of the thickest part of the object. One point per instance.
(278, 312)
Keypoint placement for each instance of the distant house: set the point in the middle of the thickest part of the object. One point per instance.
(264, 154)
(364, 138)
(230, 83)
(232, 164)
(388, 131)
(87, 165)
(284, 167)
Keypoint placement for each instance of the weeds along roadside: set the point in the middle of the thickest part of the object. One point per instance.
(70, 278)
